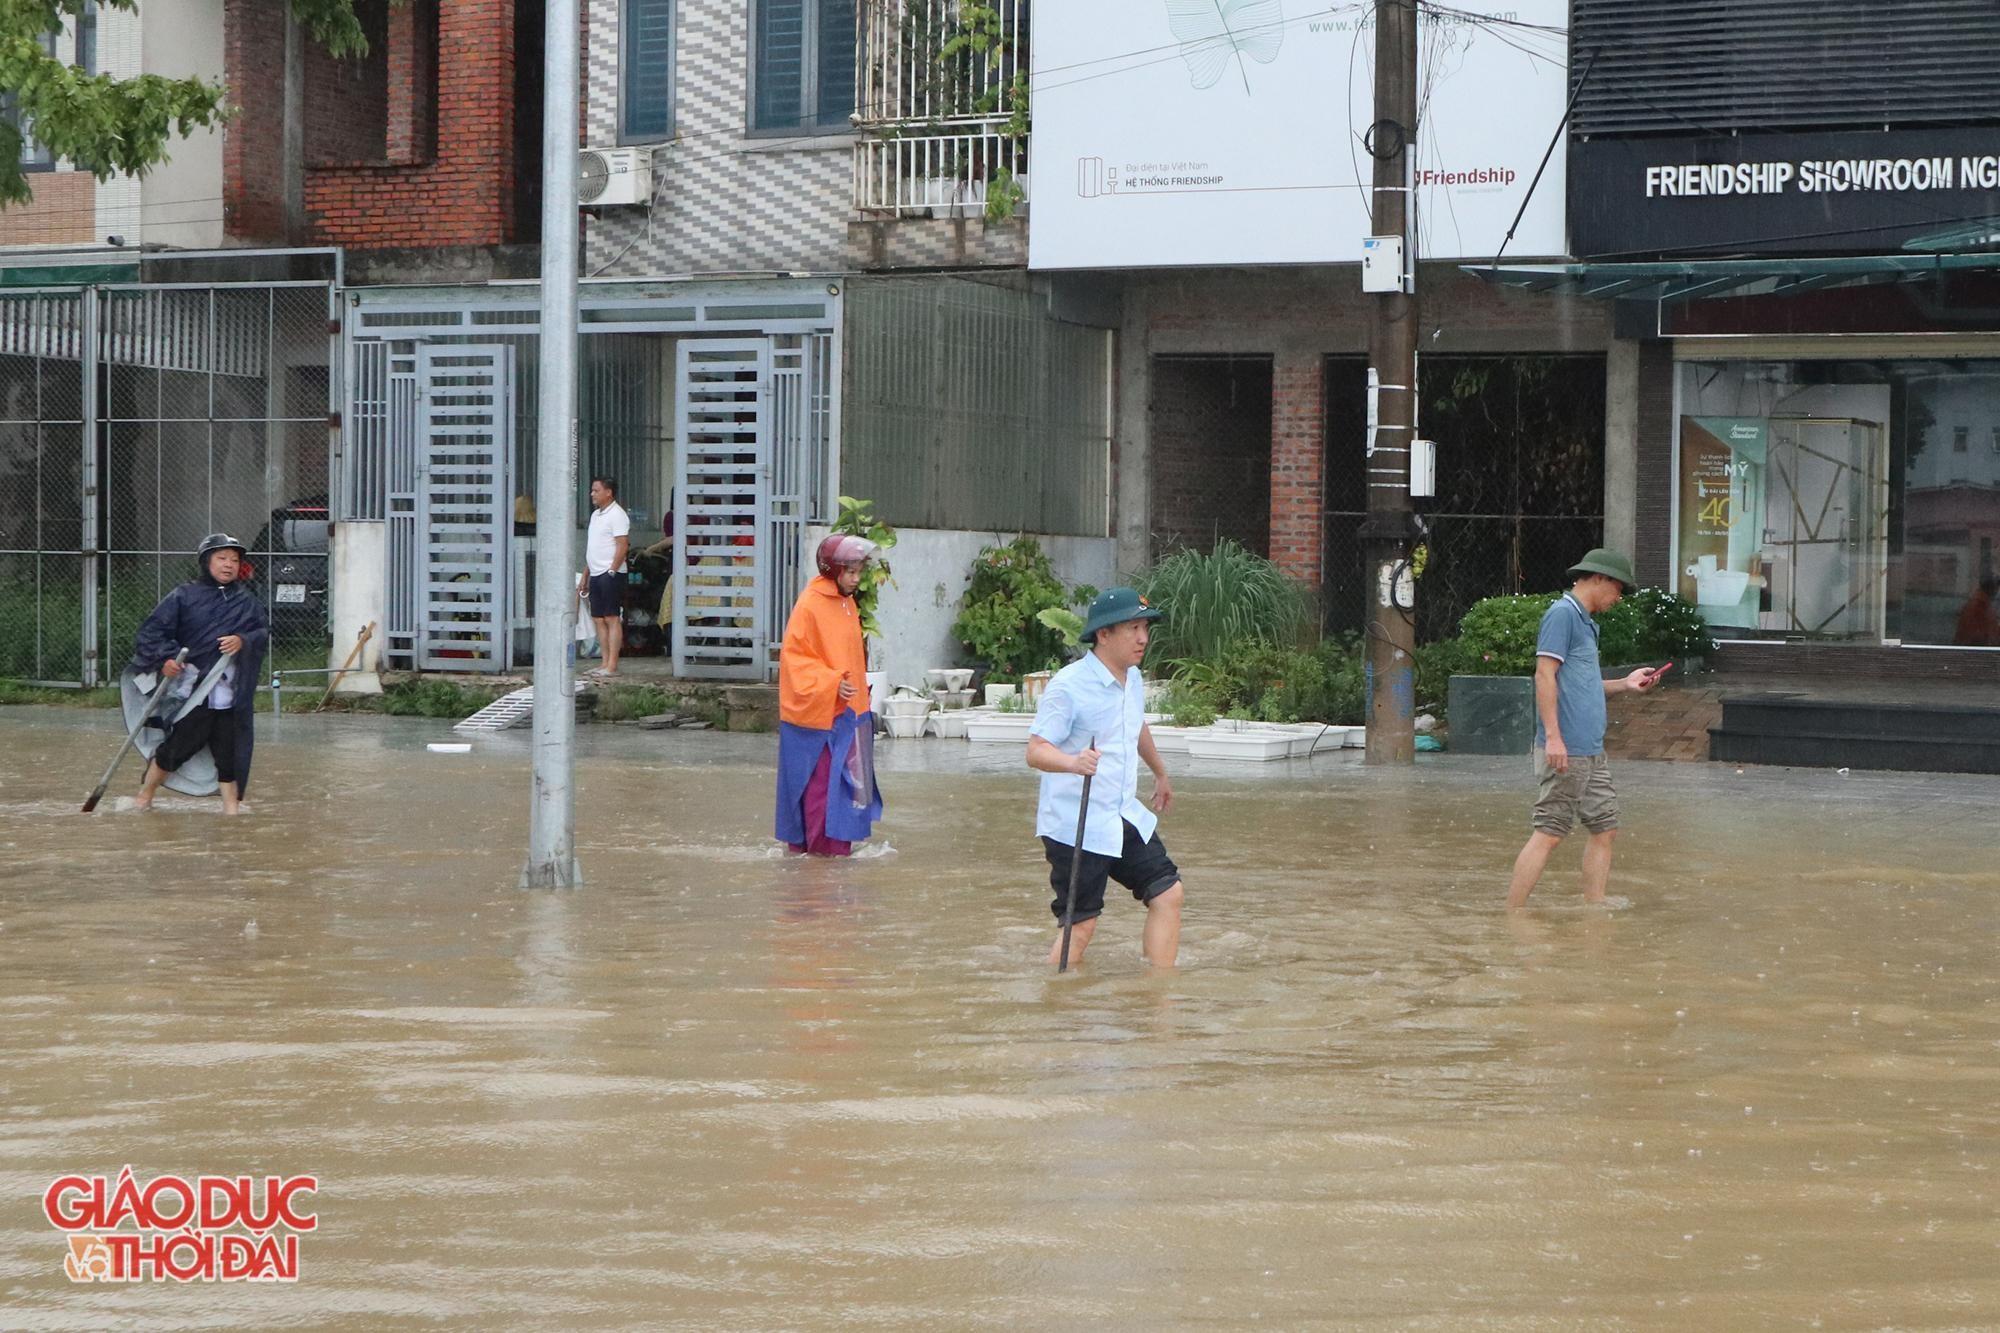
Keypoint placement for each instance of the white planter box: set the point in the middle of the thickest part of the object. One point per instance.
(1357, 738)
(949, 726)
(1215, 743)
(1171, 739)
(1230, 738)
(984, 728)
(904, 728)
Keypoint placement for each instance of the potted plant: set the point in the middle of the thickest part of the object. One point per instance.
(999, 620)
(857, 518)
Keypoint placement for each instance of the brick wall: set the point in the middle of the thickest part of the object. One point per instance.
(1298, 477)
(253, 144)
(1299, 317)
(63, 212)
(411, 129)
(1211, 452)
(347, 98)
(465, 195)
(436, 166)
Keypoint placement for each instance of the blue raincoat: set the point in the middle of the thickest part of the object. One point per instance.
(799, 749)
(194, 616)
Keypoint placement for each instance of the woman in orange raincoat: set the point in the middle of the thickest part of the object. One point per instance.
(827, 797)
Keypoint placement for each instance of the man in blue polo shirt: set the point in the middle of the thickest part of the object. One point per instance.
(1092, 721)
(1573, 779)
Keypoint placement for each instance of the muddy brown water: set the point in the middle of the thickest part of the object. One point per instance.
(717, 1090)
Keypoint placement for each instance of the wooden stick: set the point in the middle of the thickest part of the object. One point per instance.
(367, 632)
(1076, 864)
(132, 737)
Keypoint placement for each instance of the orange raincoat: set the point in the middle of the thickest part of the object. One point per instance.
(823, 644)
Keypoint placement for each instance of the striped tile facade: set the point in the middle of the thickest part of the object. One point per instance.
(723, 203)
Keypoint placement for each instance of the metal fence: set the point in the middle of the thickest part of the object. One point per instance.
(969, 406)
(134, 420)
(438, 609)
(1520, 481)
(937, 84)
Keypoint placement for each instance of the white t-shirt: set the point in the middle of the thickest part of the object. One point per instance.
(607, 525)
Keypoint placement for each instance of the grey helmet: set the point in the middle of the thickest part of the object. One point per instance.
(213, 542)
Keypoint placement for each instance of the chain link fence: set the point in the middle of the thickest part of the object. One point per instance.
(133, 421)
(1520, 482)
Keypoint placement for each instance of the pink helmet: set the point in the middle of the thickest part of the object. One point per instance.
(843, 548)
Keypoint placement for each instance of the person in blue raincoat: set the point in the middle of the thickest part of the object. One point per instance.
(213, 614)
(827, 797)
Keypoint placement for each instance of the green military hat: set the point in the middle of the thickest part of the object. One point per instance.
(1612, 564)
(1115, 606)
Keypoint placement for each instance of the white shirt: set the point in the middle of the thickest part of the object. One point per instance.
(607, 525)
(1085, 701)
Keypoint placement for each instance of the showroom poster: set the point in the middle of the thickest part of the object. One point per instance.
(1721, 520)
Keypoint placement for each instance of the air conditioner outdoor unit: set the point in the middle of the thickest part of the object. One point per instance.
(607, 176)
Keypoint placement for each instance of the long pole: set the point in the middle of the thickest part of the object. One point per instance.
(1392, 361)
(552, 860)
(1076, 863)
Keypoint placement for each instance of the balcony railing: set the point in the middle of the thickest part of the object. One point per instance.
(938, 124)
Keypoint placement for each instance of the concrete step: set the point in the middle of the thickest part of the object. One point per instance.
(1826, 733)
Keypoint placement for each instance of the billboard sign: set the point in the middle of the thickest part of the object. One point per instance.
(1220, 132)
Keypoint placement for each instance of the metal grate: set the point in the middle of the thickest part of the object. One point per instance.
(1715, 66)
(936, 108)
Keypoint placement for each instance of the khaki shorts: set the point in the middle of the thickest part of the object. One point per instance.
(1583, 793)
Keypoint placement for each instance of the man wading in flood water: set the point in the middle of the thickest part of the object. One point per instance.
(1573, 779)
(1102, 698)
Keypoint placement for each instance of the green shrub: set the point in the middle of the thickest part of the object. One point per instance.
(999, 621)
(1437, 663)
(1675, 629)
(1267, 683)
(857, 517)
(1497, 636)
(1210, 602)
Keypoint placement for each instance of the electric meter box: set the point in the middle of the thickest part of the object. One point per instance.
(1423, 468)
(1381, 264)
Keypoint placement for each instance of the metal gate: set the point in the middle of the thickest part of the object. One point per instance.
(722, 418)
(463, 509)
(135, 419)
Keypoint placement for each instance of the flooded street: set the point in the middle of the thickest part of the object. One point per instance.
(719, 1090)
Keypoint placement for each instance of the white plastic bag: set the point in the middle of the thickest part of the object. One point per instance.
(586, 631)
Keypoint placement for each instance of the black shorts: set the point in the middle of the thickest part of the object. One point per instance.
(213, 727)
(607, 595)
(1143, 867)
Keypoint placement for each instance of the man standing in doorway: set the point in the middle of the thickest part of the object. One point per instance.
(1092, 722)
(604, 571)
(1572, 776)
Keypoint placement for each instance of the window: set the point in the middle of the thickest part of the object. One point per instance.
(1996, 439)
(802, 57)
(1961, 439)
(646, 71)
(77, 47)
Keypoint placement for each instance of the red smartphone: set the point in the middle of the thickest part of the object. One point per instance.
(1659, 672)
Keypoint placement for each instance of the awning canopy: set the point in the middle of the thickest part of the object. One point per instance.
(1670, 281)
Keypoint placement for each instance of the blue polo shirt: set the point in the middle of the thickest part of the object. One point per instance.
(1083, 701)
(1569, 635)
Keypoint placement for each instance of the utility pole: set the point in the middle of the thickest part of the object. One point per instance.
(1392, 398)
(552, 860)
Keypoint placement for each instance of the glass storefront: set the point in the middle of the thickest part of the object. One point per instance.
(1840, 500)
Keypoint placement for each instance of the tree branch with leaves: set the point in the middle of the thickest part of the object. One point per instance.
(110, 126)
